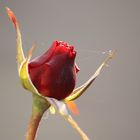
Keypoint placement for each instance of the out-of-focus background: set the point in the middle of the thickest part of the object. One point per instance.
(110, 109)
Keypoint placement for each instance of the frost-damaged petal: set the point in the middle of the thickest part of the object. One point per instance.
(80, 90)
(20, 55)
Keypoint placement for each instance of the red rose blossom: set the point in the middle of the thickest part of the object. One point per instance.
(54, 73)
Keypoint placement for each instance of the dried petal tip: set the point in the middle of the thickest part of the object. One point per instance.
(12, 16)
(20, 55)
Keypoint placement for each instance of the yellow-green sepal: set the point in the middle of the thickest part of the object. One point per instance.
(19, 55)
(24, 74)
(80, 90)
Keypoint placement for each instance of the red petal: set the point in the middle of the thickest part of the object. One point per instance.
(54, 73)
(45, 57)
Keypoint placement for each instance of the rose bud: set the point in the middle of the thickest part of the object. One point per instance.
(54, 73)
(51, 78)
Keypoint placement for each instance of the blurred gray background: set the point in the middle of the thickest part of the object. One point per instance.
(110, 109)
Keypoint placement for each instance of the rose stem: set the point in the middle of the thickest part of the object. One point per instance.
(39, 106)
(75, 126)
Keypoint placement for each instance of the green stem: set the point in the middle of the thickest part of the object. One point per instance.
(39, 106)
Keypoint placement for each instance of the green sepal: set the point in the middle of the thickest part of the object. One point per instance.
(80, 90)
